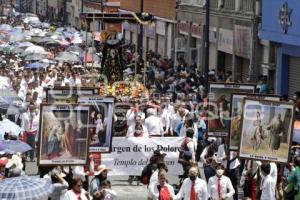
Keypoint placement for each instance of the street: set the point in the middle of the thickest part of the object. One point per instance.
(121, 186)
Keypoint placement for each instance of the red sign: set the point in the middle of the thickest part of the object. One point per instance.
(196, 30)
(184, 27)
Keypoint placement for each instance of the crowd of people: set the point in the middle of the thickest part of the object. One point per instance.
(173, 110)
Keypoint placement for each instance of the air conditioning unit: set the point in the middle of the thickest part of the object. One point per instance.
(220, 3)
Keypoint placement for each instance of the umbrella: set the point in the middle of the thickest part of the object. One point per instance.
(74, 48)
(34, 49)
(37, 65)
(67, 57)
(18, 50)
(46, 40)
(33, 57)
(90, 57)
(31, 20)
(24, 44)
(25, 187)
(34, 32)
(52, 44)
(14, 146)
(17, 37)
(7, 126)
(5, 27)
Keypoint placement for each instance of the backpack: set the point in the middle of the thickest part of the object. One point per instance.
(146, 174)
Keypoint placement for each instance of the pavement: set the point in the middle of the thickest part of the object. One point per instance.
(121, 185)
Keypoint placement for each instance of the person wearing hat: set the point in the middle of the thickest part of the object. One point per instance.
(100, 176)
(219, 186)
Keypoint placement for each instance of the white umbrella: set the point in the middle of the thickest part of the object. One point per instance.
(17, 37)
(31, 20)
(7, 126)
(34, 32)
(76, 40)
(5, 27)
(34, 50)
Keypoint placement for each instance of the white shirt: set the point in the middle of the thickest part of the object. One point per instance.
(30, 122)
(130, 116)
(153, 125)
(131, 131)
(268, 188)
(183, 132)
(153, 192)
(154, 178)
(175, 121)
(70, 195)
(78, 172)
(225, 184)
(165, 118)
(254, 170)
(234, 164)
(221, 154)
(185, 190)
(273, 171)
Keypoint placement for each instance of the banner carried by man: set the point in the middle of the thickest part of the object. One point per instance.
(130, 155)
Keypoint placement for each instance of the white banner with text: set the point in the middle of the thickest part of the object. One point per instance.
(130, 155)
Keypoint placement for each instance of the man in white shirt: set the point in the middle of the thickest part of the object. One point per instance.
(219, 186)
(30, 126)
(272, 174)
(137, 129)
(192, 187)
(176, 119)
(165, 118)
(161, 189)
(268, 184)
(132, 113)
(153, 123)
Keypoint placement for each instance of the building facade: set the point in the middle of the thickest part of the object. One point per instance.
(233, 41)
(158, 36)
(281, 29)
(56, 10)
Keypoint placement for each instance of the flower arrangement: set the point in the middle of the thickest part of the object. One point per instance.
(130, 89)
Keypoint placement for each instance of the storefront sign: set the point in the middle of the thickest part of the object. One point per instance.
(225, 42)
(184, 27)
(130, 155)
(243, 38)
(196, 30)
(161, 28)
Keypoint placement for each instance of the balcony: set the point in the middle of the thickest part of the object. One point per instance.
(214, 3)
(229, 4)
(247, 5)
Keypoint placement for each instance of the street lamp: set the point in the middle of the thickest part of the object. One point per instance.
(140, 39)
(206, 43)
